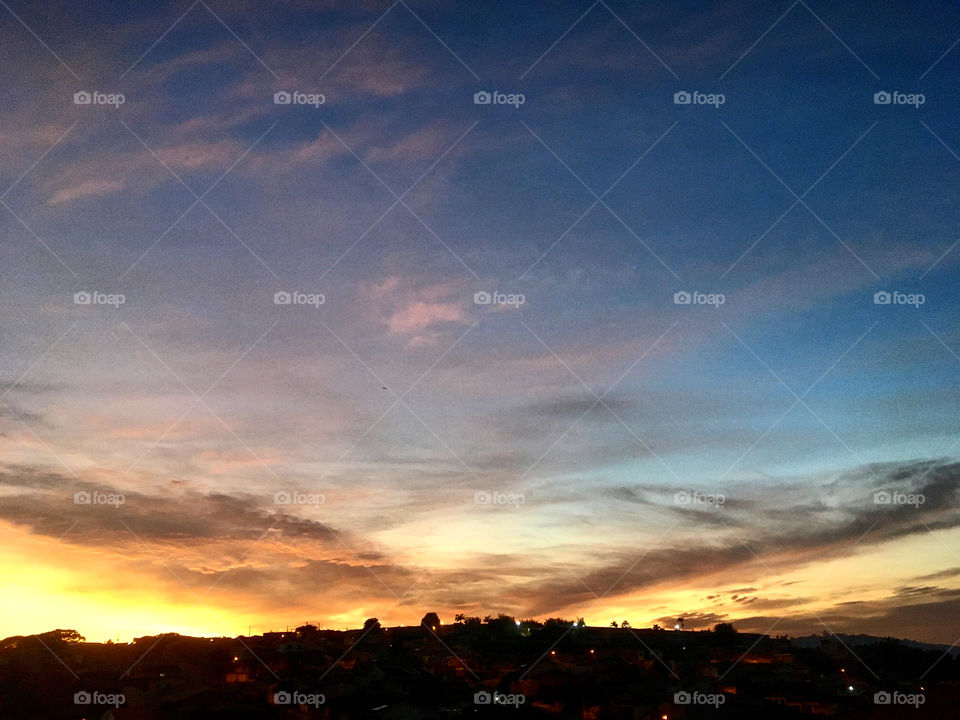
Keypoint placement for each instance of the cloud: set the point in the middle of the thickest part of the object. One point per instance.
(936, 619)
(572, 407)
(186, 515)
(206, 535)
(87, 188)
(824, 276)
(190, 156)
(250, 547)
(941, 575)
(691, 621)
(786, 528)
(418, 316)
(415, 309)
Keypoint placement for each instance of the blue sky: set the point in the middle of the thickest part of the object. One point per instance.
(399, 398)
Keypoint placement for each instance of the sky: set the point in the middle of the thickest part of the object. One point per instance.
(586, 349)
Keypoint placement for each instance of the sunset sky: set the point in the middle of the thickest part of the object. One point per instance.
(597, 450)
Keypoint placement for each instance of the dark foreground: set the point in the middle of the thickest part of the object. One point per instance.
(476, 669)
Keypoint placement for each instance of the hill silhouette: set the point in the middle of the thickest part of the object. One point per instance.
(554, 669)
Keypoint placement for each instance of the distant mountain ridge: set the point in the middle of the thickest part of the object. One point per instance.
(813, 641)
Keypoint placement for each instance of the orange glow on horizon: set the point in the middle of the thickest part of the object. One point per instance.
(111, 593)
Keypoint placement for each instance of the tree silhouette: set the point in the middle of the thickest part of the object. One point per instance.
(724, 630)
(371, 624)
(431, 621)
(62, 636)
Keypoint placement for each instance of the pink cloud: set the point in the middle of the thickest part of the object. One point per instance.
(420, 315)
(408, 309)
(87, 188)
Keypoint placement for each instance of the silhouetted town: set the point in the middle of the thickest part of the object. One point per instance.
(479, 668)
